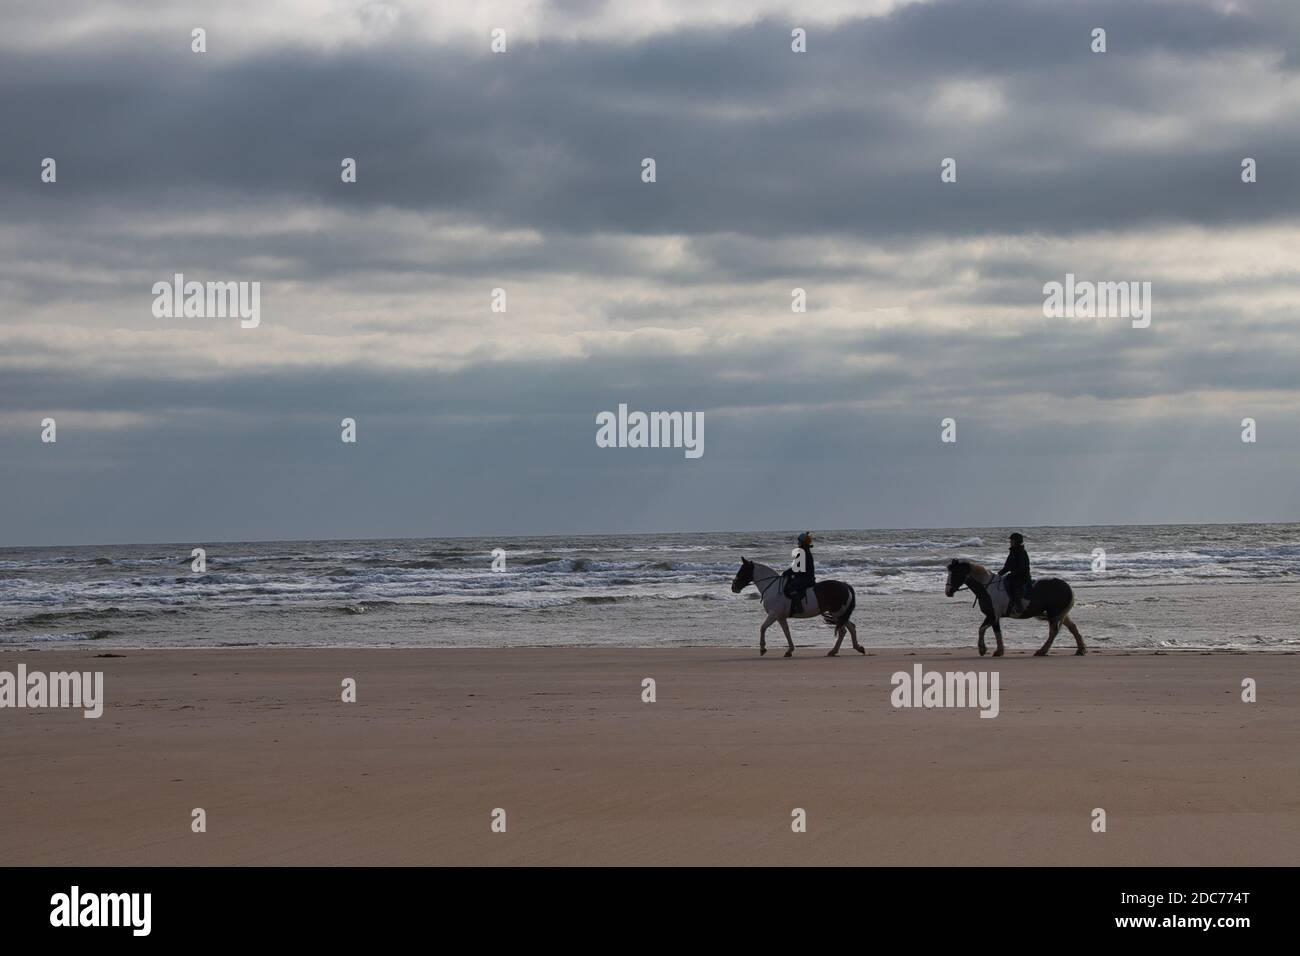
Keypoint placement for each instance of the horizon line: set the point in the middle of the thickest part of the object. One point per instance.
(634, 534)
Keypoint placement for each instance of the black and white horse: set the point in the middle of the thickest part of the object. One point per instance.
(833, 601)
(1050, 600)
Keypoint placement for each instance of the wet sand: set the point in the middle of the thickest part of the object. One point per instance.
(709, 773)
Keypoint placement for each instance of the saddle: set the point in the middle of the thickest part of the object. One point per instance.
(805, 597)
(1026, 593)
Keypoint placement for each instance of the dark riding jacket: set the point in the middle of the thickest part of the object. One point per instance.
(806, 579)
(1016, 569)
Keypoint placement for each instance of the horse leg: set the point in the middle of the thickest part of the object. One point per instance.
(1052, 628)
(853, 633)
(762, 634)
(990, 619)
(788, 639)
(1078, 638)
(839, 639)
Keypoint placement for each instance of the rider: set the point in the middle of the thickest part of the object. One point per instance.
(1016, 572)
(800, 581)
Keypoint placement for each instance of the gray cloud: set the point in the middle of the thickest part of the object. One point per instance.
(748, 136)
(775, 171)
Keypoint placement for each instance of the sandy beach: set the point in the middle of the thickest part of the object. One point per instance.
(709, 773)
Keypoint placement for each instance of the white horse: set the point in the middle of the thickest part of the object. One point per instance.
(833, 601)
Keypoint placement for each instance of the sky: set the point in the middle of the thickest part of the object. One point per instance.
(522, 170)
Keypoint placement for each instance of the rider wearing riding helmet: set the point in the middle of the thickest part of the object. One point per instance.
(800, 581)
(1016, 572)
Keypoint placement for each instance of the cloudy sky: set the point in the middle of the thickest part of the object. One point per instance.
(522, 170)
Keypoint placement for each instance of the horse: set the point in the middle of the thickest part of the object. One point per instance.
(833, 601)
(1050, 600)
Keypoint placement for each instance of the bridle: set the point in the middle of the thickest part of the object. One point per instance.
(965, 583)
(762, 588)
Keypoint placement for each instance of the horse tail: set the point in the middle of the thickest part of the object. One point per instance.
(840, 619)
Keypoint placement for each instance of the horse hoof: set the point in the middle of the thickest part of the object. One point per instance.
(1040, 653)
(998, 652)
(788, 654)
(832, 653)
(762, 651)
(1080, 652)
(861, 650)
(983, 650)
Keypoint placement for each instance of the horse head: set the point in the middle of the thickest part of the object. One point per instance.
(958, 572)
(744, 577)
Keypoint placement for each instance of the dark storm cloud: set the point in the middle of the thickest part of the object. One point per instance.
(748, 136)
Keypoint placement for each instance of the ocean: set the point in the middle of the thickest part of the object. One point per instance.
(1168, 586)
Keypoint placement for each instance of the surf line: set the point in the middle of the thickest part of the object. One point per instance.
(38, 689)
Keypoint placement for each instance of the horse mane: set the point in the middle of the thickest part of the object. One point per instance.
(975, 569)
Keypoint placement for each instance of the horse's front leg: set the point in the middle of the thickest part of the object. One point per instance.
(788, 639)
(984, 626)
(762, 634)
(997, 632)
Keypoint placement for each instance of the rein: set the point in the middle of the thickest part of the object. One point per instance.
(762, 588)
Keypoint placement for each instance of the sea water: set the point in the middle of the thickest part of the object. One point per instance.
(1167, 586)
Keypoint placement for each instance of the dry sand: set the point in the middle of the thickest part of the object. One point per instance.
(708, 774)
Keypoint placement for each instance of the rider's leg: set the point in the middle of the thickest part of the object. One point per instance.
(795, 594)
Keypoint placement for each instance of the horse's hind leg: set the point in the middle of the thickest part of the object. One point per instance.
(1053, 627)
(1080, 650)
(853, 633)
(788, 639)
(839, 639)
